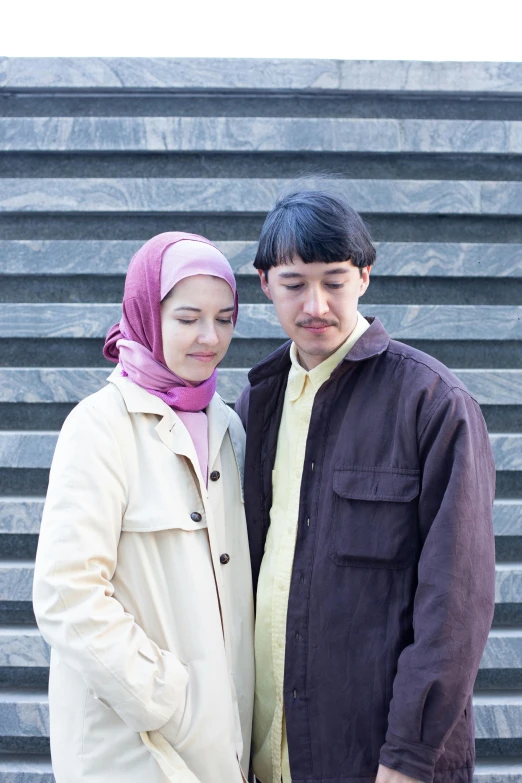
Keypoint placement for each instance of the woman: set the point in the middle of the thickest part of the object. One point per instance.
(142, 580)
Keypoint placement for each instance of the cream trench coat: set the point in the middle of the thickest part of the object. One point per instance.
(151, 629)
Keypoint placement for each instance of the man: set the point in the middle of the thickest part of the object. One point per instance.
(369, 484)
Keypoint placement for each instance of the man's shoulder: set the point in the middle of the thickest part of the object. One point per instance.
(424, 370)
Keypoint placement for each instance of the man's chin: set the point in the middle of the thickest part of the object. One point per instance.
(313, 346)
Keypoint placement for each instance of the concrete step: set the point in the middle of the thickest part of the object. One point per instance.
(16, 581)
(24, 720)
(21, 515)
(258, 134)
(26, 769)
(406, 322)
(26, 449)
(498, 771)
(394, 259)
(24, 717)
(64, 384)
(23, 650)
(254, 195)
(122, 74)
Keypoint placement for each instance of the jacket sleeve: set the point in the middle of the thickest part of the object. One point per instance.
(242, 405)
(73, 595)
(454, 599)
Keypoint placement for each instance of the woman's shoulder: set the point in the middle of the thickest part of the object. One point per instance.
(104, 406)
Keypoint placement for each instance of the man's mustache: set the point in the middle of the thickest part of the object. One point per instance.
(317, 322)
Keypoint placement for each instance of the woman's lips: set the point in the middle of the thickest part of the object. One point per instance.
(203, 357)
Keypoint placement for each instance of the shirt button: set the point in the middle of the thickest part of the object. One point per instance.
(195, 517)
(215, 475)
(224, 559)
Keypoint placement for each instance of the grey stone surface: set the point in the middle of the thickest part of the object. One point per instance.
(508, 583)
(498, 715)
(62, 384)
(509, 771)
(445, 259)
(24, 714)
(507, 451)
(257, 134)
(104, 195)
(428, 322)
(16, 583)
(507, 515)
(119, 73)
(23, 647)
(20, 515)
(26, 449)
(77, 257)
(17, 769)
(503, 650)
(50, 384)
(31, 385)
(111, 257)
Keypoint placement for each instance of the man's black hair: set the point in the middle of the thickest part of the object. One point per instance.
(316, 226)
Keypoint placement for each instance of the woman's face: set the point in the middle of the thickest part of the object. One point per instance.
(196, 326)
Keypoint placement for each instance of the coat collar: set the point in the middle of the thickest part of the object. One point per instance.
(170, 428)
(374, 341)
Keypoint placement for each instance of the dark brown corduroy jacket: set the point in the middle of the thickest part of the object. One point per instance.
(392, 589)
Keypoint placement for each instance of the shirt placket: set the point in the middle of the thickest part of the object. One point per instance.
(281, 588)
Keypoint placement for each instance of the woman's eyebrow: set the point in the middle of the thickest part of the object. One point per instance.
(198, 310)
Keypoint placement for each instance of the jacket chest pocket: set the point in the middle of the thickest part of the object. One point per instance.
(374, 522)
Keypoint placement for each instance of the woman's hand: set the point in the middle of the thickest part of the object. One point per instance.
(386, 775)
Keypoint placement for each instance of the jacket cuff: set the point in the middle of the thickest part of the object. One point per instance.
(413, 759)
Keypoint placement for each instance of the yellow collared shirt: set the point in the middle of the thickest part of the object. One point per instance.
(270, 747)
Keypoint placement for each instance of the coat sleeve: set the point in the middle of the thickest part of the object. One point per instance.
(73, 595)
(454, 599)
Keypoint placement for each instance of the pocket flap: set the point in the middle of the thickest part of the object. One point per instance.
(375, 483)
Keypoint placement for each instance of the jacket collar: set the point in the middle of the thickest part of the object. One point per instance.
(170, 427)
(373, 342)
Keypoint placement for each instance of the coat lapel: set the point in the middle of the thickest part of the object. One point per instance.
(218, 414)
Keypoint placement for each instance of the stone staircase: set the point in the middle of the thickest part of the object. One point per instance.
(98, 155)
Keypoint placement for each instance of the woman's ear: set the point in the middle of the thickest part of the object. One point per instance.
(263, 277)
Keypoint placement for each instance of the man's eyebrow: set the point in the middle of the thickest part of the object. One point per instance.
(288, 275)
(337, 271)
(340, 270)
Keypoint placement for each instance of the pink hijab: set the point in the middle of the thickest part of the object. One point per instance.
(136, 343)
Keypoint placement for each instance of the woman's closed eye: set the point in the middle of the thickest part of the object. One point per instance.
(188, 321)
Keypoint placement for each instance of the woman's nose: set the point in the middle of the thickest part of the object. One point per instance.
(208, 335)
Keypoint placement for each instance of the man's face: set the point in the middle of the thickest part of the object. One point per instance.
(316, 304)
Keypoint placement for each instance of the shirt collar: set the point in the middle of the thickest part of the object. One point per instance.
(298, 376)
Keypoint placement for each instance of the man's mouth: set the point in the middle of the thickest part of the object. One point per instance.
(316, 327)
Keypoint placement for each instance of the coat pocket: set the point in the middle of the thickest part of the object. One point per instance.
(374, 522)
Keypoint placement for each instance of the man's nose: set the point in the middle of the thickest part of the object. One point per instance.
(316, 302)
